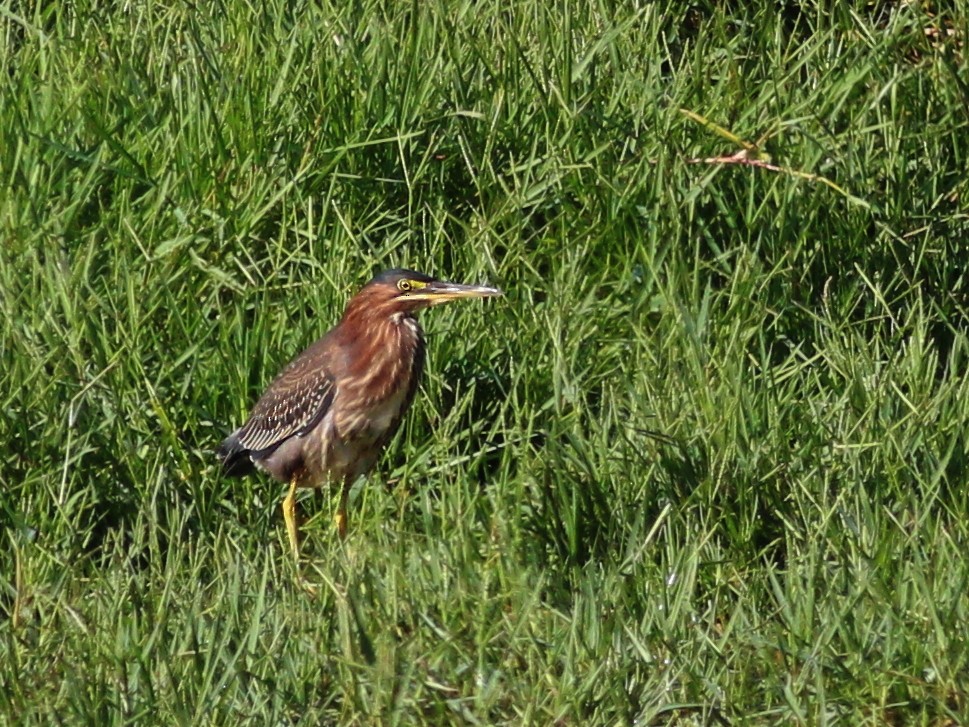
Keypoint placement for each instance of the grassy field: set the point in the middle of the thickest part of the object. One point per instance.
(706, 462)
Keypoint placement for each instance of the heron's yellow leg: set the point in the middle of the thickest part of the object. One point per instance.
(289, 514)
(340, 520)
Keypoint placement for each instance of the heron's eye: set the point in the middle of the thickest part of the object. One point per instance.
(403, 285)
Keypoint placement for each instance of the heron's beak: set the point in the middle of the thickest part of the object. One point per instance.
(441, 292)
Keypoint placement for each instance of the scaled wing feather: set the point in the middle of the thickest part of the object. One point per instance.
(293, 404)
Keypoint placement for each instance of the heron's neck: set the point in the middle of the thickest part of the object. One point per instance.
(407, 331)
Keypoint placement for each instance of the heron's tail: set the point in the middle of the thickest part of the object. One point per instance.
(236, 459)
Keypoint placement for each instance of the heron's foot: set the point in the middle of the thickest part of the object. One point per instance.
(311, 590)
(341, 519)
(292, 525)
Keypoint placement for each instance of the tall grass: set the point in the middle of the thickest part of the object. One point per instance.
(704, 464)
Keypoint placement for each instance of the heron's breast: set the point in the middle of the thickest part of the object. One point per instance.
(371, 400)
(369, 419)
(387, 412)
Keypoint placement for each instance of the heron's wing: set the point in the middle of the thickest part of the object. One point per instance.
(293, 404)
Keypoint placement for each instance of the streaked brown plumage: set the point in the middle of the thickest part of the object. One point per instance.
(330, 412)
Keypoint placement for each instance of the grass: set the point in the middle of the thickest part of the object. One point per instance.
(706, 463)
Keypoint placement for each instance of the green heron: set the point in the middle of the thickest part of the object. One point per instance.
(330, 412)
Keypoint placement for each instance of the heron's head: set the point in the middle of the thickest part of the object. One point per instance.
(407, 291)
